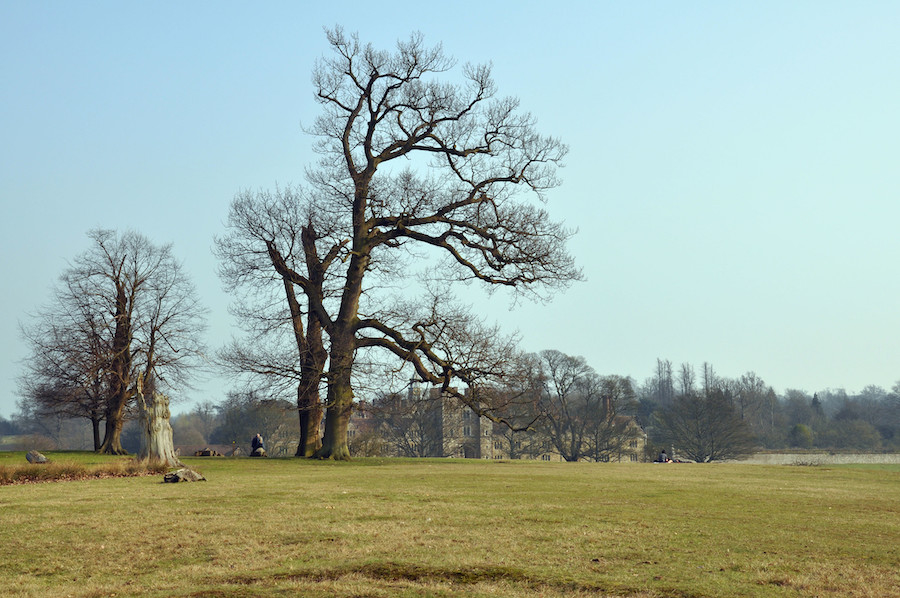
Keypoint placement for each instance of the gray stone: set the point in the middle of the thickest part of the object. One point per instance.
(36, 457)
(184, 474)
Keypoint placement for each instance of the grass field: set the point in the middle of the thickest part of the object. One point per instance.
(286, 527)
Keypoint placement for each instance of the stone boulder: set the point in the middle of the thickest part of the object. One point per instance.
(36, 457)
(184, 474)
(260, 452)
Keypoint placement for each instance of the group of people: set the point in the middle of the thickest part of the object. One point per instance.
(663, 457)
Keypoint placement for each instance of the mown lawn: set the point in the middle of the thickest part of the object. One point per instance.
(286, 527)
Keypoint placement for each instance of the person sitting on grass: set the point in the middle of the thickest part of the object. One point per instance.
(258, 446)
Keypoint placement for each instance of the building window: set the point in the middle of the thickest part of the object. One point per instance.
(545, 457)
(467, 430)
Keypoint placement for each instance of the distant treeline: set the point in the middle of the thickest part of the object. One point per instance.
(868, 420)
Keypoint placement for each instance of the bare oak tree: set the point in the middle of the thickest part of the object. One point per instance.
(414, 164)
(65, 374)
(568, 398)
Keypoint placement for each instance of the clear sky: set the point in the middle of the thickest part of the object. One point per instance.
(734, 170)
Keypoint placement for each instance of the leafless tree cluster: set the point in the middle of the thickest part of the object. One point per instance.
(713, 418)
(582, 413)
(123, 312)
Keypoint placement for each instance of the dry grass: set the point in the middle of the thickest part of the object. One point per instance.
(68, 469)
(448, 528)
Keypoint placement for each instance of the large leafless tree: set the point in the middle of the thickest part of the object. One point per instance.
(414, 170)
(413, 166)
(124, 310)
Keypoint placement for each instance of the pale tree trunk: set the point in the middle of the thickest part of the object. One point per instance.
(157, 445)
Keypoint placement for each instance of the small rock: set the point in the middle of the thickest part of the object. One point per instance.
(183, 475)
(36, 457)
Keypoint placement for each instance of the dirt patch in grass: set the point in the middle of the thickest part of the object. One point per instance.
(386, 574)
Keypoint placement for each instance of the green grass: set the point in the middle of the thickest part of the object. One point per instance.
(286, 527)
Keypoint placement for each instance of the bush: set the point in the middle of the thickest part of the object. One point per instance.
(801, 436)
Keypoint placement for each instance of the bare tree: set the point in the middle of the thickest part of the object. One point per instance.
(521, 393)
(686, 378)
(410, 426)
(244, 414)
(570, 400)
(583, 414)
(663, 386)
(66, 372)
(757, 405)
(612, 428)
(705, 427)
(273, 241)
(412, 162)
(124, 309)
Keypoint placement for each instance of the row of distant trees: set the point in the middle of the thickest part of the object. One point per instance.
(572, 410)
(674, 400)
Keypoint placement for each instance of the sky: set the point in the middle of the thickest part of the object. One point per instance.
(733, 167)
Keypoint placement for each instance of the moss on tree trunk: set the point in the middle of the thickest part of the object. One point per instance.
(337, 420)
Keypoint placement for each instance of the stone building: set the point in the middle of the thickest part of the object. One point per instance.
(424, 423)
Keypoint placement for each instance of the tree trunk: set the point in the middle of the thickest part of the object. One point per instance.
(337, 419)
(95, 427)
(120, 376)
(157, 445)
(310, 410)
(340, 406)
(112, 439)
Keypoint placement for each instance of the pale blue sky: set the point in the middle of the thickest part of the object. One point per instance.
(733, 168)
